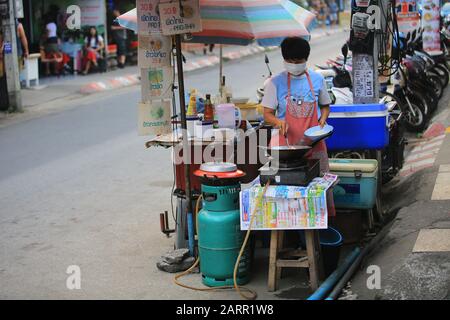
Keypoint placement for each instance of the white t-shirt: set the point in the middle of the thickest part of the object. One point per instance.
(93, 43)
(270, 99)
(51, 29)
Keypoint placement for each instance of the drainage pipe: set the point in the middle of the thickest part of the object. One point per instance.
(348, 274)
(328, 284)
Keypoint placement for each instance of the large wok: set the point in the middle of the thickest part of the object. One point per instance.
(287, 153)
(294, 152)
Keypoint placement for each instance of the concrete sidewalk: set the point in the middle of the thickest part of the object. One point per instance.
(414, 257)
(75, 86)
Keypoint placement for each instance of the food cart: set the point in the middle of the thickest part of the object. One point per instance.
(188, 187)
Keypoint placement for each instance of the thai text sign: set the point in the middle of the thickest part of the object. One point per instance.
(154, 50)
(156, 83)
(154, 117)
(180, 17)
(147, 16)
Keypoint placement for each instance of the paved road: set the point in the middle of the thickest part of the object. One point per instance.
(77, 187)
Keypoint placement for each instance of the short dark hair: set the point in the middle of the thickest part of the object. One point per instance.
(295, 48)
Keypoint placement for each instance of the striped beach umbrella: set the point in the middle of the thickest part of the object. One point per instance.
(241, 22)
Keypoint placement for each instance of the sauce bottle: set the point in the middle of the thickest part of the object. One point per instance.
(209, 109)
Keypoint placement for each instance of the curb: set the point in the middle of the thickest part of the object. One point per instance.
(133, 79)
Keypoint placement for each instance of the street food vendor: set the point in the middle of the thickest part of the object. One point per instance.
(296, 100)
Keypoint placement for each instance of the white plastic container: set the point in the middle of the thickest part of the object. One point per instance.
(227, 114)
(190, 125)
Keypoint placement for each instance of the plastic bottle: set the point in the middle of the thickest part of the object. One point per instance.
(192, 107)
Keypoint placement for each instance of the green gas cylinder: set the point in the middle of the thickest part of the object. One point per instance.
(219, 234)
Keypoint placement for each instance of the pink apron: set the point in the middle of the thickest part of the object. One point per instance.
(300, 117)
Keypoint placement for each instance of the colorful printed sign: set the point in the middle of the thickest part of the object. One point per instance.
(408, 18)
(154, 51)
(148, 16)
(430, 24)
(287, 207)
(93, 12)
(154, 117)
(156, 83)
(178, 19)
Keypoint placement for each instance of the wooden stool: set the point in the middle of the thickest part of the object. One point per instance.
(311, 258)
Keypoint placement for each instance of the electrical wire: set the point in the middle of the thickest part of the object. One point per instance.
(239, 289)
(388, 67)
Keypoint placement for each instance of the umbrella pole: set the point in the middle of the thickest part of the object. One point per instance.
(220, 69)
(186, 150)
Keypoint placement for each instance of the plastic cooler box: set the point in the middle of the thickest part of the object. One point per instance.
(357, 187)
(358, 126)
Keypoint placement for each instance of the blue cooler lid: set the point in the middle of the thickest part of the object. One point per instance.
(376, 107)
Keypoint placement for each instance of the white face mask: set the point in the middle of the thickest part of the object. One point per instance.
(295, 69)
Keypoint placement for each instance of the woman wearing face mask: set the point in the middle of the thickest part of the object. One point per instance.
(296, 100)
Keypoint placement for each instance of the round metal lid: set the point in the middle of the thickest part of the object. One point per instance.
(218, 167)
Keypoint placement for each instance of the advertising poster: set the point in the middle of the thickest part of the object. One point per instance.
(147, 16)
(156, 83)
(287, 207)
(154, 50)
(154, 117)
(408, 17)
(178, 19)
(430, 24)
(93, 12)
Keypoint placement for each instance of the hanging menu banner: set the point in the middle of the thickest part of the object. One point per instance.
(148, 16)
(431, 24)
(180, 17)
(154, 51)
(154, 118)
(156, 83)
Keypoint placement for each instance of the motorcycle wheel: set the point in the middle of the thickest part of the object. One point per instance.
(436, 83)
(428, 97)
(444, 74)
(425, 94)
(417, 122)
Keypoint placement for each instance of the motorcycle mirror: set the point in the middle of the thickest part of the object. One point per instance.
(266, 60)
(408, 36)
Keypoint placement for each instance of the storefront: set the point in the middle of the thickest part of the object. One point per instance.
(96, 13)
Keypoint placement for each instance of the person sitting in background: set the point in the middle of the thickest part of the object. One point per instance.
(93, 45)
(50, 54)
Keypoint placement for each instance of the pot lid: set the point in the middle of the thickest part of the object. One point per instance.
(219, 170)
(218, 167)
